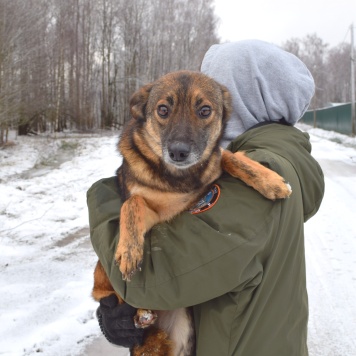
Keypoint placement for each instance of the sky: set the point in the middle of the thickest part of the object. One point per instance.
(280, 20)
(47, 262)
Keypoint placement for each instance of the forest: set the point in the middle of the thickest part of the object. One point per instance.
(73, 65)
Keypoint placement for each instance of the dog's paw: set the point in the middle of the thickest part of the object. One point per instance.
(129, 260)
(280, 191)
(144, 318)
(275, 187)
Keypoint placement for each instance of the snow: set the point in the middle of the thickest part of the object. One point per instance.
(331, 249)
(46, 260)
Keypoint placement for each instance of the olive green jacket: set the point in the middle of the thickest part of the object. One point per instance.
(241, 264)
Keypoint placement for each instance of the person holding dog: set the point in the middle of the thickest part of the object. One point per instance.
(240, 265)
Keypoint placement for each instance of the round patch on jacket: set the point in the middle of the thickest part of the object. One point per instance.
(208, 201)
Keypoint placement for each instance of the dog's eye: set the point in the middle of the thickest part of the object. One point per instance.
(205, 112)
(162, 111)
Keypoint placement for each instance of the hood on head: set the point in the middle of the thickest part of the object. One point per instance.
(266, 83)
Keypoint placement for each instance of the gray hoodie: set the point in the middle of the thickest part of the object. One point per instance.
(266, 83)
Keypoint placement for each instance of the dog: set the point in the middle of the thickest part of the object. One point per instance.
(171, 156)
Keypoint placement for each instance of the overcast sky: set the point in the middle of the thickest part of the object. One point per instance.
(279, 20)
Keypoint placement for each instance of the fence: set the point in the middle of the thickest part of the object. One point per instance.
(336, 118)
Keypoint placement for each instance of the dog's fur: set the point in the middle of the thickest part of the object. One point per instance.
(171, 155)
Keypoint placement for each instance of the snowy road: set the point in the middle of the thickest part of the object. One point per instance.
(46, 261)
(331, 255)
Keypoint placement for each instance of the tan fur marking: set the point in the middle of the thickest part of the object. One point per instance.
(102, 286)
(157, 343)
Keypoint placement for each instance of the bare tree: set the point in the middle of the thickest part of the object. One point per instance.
(21, 70)
(75, 63)
(313, 51)
(339, 73)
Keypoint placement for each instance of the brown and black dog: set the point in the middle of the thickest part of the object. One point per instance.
(171, 155)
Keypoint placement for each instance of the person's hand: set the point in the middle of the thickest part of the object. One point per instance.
(117, 322)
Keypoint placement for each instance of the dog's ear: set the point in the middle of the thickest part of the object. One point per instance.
(138, 102)
(227, 103)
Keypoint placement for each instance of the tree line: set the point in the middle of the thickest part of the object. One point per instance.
(74, 64)
(330, 67)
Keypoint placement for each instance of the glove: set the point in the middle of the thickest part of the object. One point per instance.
(117, 324)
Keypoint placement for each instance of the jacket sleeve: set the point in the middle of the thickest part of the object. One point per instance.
(194, 258)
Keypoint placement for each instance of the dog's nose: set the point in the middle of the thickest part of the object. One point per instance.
(179, 151)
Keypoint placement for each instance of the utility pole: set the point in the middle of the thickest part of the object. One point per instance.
(353, 118)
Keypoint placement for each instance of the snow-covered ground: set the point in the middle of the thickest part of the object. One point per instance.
(46, 260)
(331, 249)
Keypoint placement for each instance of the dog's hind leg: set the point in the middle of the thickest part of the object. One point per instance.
(267, 182)
(102, 285)
(156, 343)
(136, 219)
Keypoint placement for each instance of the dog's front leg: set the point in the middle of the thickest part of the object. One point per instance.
(136, 219)
(267, 182)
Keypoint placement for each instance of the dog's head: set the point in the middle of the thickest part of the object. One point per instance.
(184, 114)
